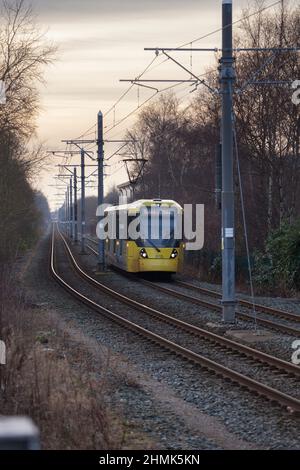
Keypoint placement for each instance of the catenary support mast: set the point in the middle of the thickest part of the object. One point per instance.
(228, 227)
(82, 203)
(100, 160)
(75, 207)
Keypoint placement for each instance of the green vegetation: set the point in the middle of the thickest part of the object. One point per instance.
(279, 265)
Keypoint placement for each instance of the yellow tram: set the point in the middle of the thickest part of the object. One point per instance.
(147, 236)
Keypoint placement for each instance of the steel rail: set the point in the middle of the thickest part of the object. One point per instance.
(245, 303)
(293, 317)
(288, 330)
(218, 308)
(290, 403)
(193, 329)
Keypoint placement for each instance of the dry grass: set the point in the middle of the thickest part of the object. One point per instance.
(45, 378)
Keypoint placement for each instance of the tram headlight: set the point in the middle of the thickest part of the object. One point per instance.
(174, 254)
(143, 253)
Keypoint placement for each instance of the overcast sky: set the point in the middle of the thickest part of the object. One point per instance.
(101, 41)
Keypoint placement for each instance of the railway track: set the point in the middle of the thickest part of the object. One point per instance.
(266, 323)
(293, 317)
(273, 325)
(290, 403)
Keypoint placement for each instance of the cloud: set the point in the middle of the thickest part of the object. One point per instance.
(61, 9)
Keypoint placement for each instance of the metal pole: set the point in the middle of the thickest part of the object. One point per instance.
(75, 207)
(65, 218)
(228, 235)
(68, 213)
(82, 204)
(101, 256)
(71, 208)
(218, 175)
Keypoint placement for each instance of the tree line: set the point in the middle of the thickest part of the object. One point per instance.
(24, 53)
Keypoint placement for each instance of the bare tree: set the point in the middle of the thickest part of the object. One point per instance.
(23, 54)
(268, 122)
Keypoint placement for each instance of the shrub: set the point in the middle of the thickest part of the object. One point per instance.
(279, 266)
